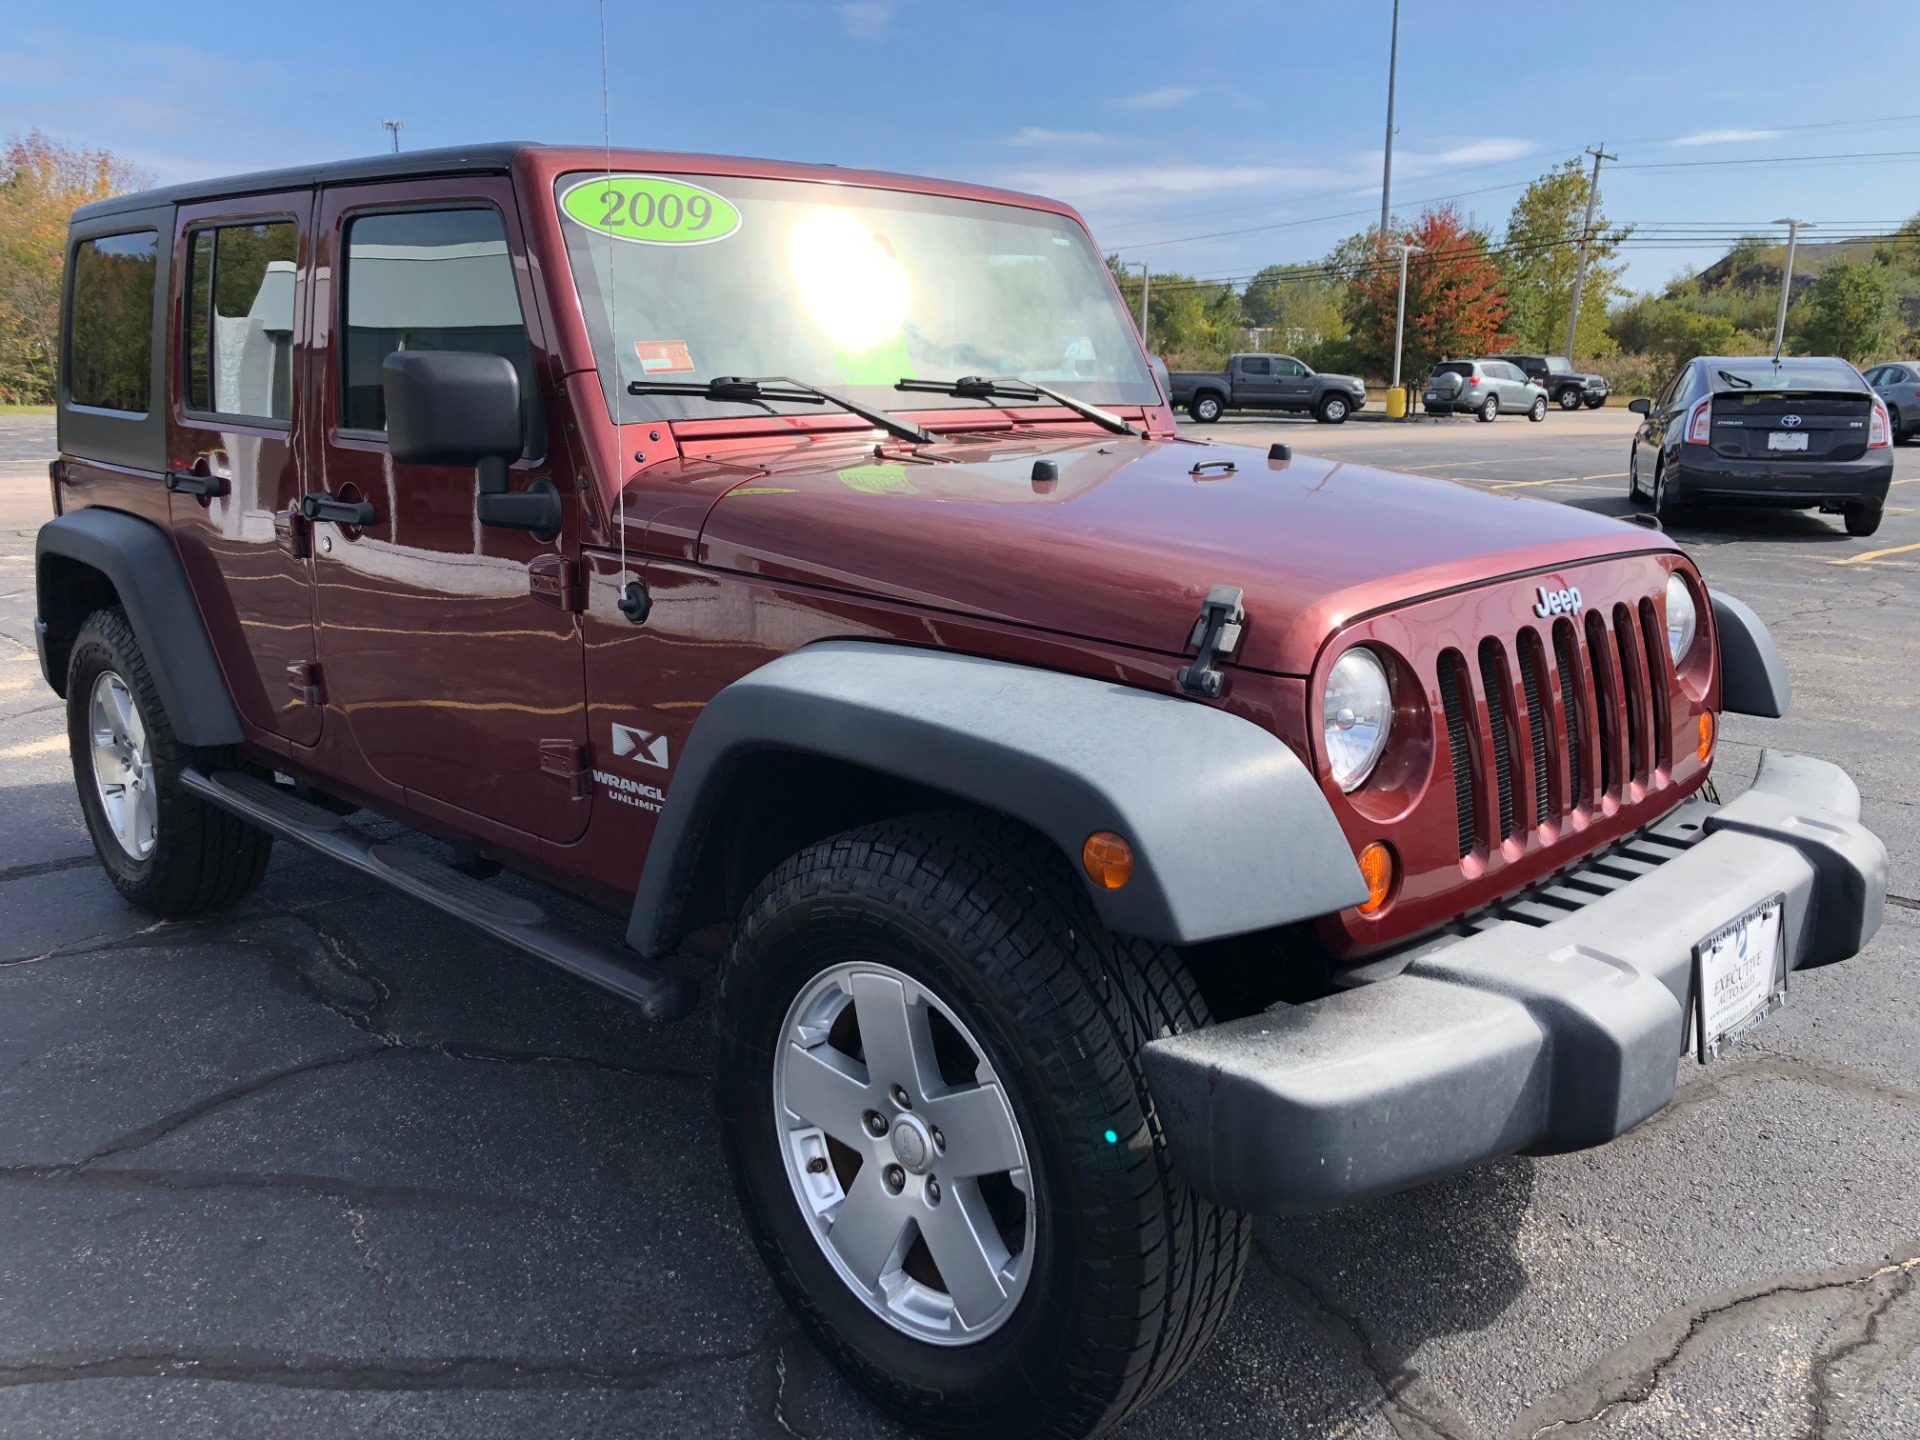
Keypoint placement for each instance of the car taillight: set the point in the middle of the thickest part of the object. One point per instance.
(1879, 428)
(1698, 420)
(1473, 380)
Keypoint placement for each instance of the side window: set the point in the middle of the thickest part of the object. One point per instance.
(239, 328)
(1291, 368)
(1673, 388)
(432, 280)
(110, 321)
(1256, 365)
(1694, 386)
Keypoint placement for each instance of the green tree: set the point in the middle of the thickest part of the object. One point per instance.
(1295, 311)
(1673, 331)
(1542, 254)
(1851, 310)
(1191, 323)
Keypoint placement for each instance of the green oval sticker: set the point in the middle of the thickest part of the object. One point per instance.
(650, 210)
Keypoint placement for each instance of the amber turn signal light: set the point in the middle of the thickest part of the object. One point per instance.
(1706, 733)
(1108, 858)
(1376, 868)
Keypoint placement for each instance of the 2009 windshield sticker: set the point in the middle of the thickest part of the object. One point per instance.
(650, 210)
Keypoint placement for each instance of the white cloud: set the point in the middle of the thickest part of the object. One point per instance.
(1034, 135)
(1483, 152)
(1150, 182)
(1159, 99)
(1724, 137)
(865, 18)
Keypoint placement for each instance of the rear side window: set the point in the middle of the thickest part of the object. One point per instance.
(433, 280)
(1256, 365)
(1454, 367)
(239, 330)
(110, 325)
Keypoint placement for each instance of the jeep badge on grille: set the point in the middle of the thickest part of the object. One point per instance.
(1557, 602)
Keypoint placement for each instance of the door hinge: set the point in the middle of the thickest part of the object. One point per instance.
(303, 679)
(556, 580)
(292, 532)
(566, 762)
(1215, 634)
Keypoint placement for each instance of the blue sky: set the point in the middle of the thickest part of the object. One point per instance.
(1210, 137)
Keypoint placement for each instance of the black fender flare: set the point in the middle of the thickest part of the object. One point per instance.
(138, 559)
(1753, 676)
(1229, 829)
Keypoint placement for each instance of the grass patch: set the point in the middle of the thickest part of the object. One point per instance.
(26, 410)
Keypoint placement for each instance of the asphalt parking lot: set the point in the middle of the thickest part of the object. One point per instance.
(329, 1166)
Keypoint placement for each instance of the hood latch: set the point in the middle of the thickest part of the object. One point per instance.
(1215, 635)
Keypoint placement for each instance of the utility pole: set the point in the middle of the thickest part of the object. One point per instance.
(1386, 173)
(1794, 227)
(1400, 319)
(1146, 280)
(394, 127)
(1599, 153)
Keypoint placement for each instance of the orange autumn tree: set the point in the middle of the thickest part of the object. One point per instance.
(1456, 300)
(41, 183)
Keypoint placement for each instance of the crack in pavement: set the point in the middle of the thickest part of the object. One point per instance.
(382, 1281)
(45, 867)
(1413, 1406)
(1731, 1077)
(422, 1199)
(1863, 1326)
(1630, 1373)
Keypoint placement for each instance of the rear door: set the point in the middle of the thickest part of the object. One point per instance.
(1253, 383)
(240, 336)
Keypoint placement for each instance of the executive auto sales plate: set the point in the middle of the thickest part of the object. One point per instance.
(1737, 976)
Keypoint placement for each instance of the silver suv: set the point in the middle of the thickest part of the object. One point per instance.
(1488, 388)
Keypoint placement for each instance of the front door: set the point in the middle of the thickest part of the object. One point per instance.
(455, 673)
(238, 358)
(1291, 381)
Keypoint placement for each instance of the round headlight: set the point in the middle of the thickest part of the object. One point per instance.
(1681, 619)
(1356, 713)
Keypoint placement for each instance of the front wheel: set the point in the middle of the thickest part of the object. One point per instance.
(1664, 503)
(1333, 410)
(1205, 408)
(1863, 519)
(1489, 410)
(1569, 399)
(1595, 402)
(1538, 410)
(935, 1118)
(1635, 496)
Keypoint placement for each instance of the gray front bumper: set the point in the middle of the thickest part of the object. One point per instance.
(1524, 1036)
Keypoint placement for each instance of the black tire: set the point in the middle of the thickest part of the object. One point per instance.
(1664, 504)
(1333, 410)
(1863, 519)
(1206, 407)
(1596, 402)
(984, 915)
(1568, 399)
(1893, 426)
(200, 858)
(1537, 411)
(1635, 495)
(1488, 411)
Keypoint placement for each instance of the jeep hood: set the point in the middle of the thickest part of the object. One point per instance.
(1123, 545)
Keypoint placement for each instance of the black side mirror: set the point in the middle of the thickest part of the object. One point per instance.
(456, 407)
(1640, 407)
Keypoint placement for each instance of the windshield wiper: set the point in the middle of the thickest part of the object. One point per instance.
(742, 390)
(1738, 382)
(979, 387)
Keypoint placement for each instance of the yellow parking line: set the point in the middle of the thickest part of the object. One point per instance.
(1462, 464)
(1915, 481)
(1563, 480)
(1875, 554)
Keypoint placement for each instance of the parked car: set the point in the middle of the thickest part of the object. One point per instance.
(1268, 382)
(1795, 432)
(1565, 386)
(1484, 388)
(1034, 771)
(1898, 387)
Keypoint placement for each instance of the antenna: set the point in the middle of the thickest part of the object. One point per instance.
(394, 127)
(613, 310)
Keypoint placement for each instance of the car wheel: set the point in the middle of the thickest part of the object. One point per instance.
(166, 850)
(1333, 410)
(1538, 410)
(1663, 502)
(1634, 493)
(1205, 408)
(934, 1114)
(1569, 398)
(1862, 519)
(1596, 402)
(1489, 410)
(1893, 426)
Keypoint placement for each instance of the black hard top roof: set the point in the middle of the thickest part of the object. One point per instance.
(495, 158)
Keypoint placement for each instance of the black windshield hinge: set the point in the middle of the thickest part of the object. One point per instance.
(1215, 634)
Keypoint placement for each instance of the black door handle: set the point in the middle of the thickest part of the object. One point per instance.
(186, 482)
(341, 512)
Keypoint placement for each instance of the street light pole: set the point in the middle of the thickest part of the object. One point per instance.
(1400, 319)
(1794, 227)
(1146, 281)
(394, 127)
(1386, 172)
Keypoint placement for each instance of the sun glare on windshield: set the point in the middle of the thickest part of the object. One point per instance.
(848, 279)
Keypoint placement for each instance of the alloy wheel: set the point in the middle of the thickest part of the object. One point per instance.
(123, 766)
(904, 1154)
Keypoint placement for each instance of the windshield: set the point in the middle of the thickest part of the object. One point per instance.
(1788, 375)
(850, 289)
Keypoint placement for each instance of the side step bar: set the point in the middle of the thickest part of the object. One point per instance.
(507, 918)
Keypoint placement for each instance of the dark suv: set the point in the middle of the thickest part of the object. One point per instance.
(1565, 386)
(1102, 837)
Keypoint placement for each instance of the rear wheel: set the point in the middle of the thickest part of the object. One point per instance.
(1537, 411)
(166, 850)
(1893, 426)
(1333, 410)
(1206, 408)
(1489, 410)
(1863, 519)
(936, 1122)
(1569, 398)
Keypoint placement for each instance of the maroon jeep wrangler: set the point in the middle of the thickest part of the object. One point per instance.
(1112, 836)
